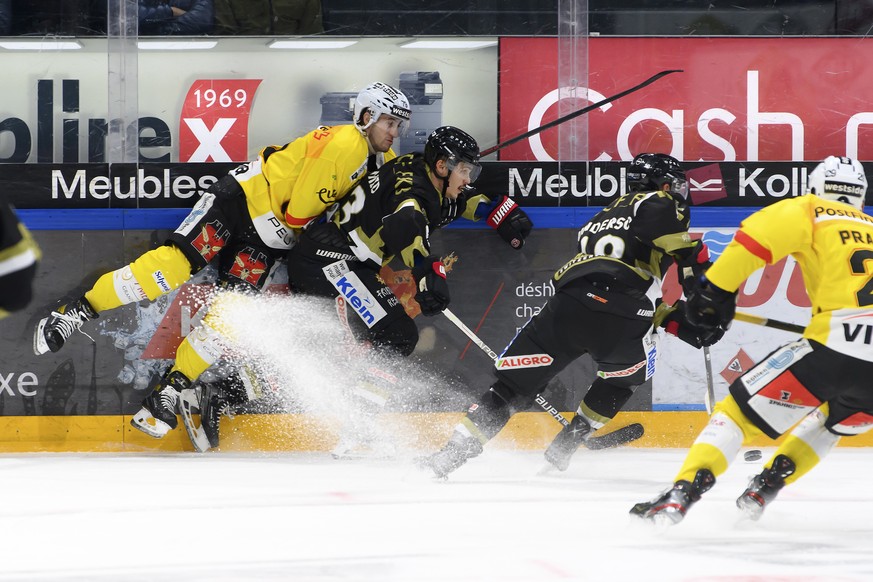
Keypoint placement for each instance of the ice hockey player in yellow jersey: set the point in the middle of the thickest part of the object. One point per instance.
(245, 222)
(818, 386)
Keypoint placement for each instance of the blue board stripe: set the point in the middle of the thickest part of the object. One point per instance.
(170, 218)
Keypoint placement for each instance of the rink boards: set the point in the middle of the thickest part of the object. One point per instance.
(301, 432)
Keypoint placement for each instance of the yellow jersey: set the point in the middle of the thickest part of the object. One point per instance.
(289, 186)
(832, 243)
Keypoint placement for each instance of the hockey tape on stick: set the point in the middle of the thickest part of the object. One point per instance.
(577, 113)
(766, 322)
(616, 438)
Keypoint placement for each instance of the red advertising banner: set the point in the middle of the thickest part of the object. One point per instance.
(738, 99)
(214, 125)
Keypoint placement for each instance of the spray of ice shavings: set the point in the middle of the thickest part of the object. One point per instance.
(299, 345)
(294, 342)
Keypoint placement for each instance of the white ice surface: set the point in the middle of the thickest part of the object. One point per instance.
(307, 517)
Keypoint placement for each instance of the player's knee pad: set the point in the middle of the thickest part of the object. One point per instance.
(492, 411)
(198, 351)
(606, 397)
(153, 274)
(399, 336)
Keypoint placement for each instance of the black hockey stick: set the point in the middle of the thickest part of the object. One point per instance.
(618, 437)
(767, 322)
(578, 112)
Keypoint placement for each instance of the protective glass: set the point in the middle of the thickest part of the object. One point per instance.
(389, 122)
(467, 170)
(679, 187)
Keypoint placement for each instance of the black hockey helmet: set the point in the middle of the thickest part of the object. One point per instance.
(652, 171)
(456, 147)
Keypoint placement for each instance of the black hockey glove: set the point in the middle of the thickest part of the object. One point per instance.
(452, 209)
(511, 222)
(433, 290)
(693, 266)
(676, 323)
(709, 306)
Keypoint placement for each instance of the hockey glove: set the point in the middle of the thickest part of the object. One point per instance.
(709, 306)
(433, 290)
(511, 222)
(452, 209)
(693, 266)
(676, 323)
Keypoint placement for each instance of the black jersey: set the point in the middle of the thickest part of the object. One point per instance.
(392, 212)
(632, 241)
(19, 254)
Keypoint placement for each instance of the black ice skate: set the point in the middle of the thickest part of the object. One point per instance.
(763, 487)
(157, 416)
(670, 507)
(454, 454)
(51, 332)
(213, 404)
(567, 441)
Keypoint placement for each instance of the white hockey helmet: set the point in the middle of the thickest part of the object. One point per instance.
(379, 98)
(839, 179)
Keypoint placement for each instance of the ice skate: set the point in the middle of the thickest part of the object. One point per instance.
(351, 447)
(53, 331)
(763, 487)
(361, 440)
(567, 441)
(157, 416)
(213, 405)
(454, 454)
(670, 507)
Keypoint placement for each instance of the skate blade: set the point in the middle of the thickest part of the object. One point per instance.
(145, 422)
(554, 464)
(749, 510)
(362, 456)
(188, 402)
(40, 347)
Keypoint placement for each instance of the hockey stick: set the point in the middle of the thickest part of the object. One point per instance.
(767, 322)
(577, 113)
(616, 438)
(709, 397)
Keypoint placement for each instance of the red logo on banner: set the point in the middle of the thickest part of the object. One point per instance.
(707, 184)
(214, 126)
(181, 317)
(739, 365)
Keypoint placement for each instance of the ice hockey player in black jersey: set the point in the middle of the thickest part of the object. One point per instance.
(19, 255)
(607, 303)
(391, 214)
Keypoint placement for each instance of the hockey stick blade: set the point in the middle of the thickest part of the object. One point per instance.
(577, 113)
(617, 438)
